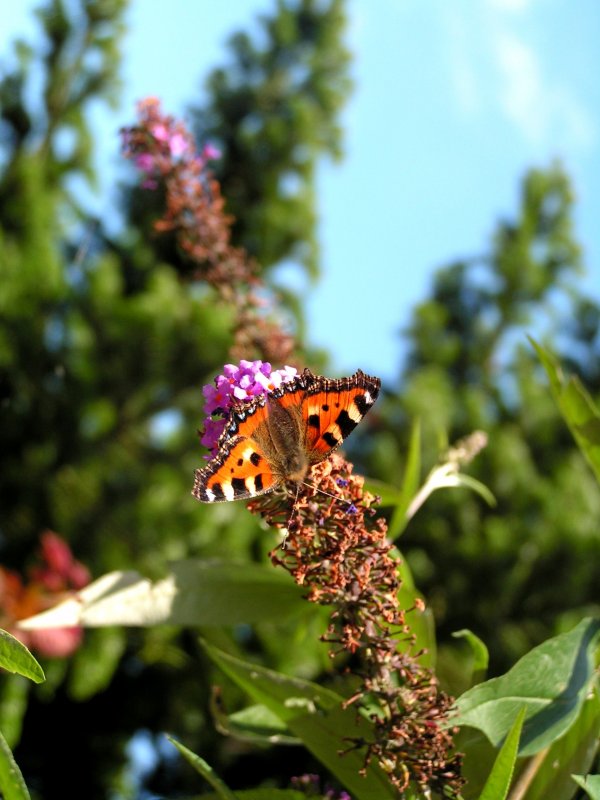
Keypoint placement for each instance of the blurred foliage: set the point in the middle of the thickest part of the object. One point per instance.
(103, 353)
(517, 573)
(272, 110)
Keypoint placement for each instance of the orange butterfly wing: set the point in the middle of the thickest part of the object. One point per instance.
(240, 470)
(333, 408)
(329, 412)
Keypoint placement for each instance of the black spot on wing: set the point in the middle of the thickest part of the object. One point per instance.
(330, 439)
(255, 459)
(217, 490)
(258, 483)
(313, 421)
(362, 404)
(345, 423)
(239, 487)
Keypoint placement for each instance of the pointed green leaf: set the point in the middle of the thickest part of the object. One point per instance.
(12, 785)
(194, 593)
(497, 785)
(577, 408)
(573, 752)
(478, 648)
(204, 769)
(14, 697)
(315, 715)
(468, 482)
(256, 723)
(410, 482)
(552, 681)
(15, 657)
(591, 784)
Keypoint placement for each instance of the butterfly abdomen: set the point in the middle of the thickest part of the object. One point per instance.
(282, 441)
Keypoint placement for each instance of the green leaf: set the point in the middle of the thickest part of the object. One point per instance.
(478, 648)
(573, 752)
(316, 716)
(204, 769)
(410, 483)
(552, 681)
(14, 697)
(93, 666)
(194, 593)
(576, 407)
(468, 482)
(497, 785)
(12, 785)
(591, 784)
(256, 723)
(15, 657)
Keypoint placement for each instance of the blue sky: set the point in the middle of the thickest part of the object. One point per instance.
(452, 103)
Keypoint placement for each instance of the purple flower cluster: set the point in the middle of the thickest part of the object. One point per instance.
(237, 384)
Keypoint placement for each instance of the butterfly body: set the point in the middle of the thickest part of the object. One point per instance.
(276, 438)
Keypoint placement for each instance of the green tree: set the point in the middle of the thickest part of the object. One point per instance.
(104, 347)
(273, 110)
(517, 572)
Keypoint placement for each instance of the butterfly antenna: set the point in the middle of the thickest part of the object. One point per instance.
(322, 491)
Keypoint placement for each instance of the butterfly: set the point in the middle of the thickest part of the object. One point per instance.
(276, 438)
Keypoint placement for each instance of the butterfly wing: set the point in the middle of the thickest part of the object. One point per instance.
(241, 469)
(310, 415)
(331, 409)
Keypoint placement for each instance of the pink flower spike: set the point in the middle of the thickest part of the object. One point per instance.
(56, 553)
(145, 162)
(160, 132)
(178, 144)
(79, 575)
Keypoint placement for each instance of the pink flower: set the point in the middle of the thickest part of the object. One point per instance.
(58, 578)
(210, 152)
(145, 162)
(62, 572)
(178, 144)
(54, 642)
(160, 132)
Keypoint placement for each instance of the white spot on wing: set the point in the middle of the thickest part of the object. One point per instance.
(354, 413)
